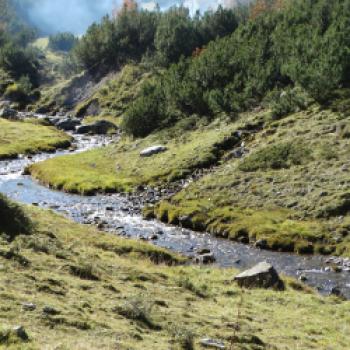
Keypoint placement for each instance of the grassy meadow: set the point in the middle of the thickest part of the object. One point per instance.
(92, 290)
(28, 138)
(120, 168)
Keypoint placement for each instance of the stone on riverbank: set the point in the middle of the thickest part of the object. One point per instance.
(262, 275)
(150, 151)
(68, 124)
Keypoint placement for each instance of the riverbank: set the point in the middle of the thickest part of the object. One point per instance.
(277, 184)
(18, 137)
(289, 193)
(71, 287)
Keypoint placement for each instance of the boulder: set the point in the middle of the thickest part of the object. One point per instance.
(150, 151)
(51, 120)
(67, 124)
(28, 307)
(212, 343)
(20, 332)
(100, 127)
(205, 259)
(263, 275)
(261, 243)
(203, 250)
(8, 113)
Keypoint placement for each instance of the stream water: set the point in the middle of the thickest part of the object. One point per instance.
(114, 213)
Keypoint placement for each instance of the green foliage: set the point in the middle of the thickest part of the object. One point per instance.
(306, 44)
(69, 66)
(290, 100)
(62, 41)
(19, 62)
(19, 92)
(142, 117)
(16, 58)
(312, 42)
(14, 21)
(277, 156)
(115, 41)
(219, 23)
(162, 36)
(175, 35)
(13, 219)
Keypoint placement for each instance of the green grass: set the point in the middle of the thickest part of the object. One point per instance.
(277, 156)
(27, 138)
(137, 303)
(279, 227)
(120, 167)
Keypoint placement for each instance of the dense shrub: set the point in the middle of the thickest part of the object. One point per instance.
(20, 91)
(62, 41)
(277, 156)
(289, 100)
(142, 116)
(115, 41)
(13, 19)
(19, 62)
(165, 36)
(175, 35)
(283, 45)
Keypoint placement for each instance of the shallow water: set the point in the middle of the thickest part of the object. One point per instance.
(114, 213)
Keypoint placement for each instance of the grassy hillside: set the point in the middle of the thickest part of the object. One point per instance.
(27, 138)
(92, 290)
(109, 95)
(120, 167)
(290, 190)
(115, 93)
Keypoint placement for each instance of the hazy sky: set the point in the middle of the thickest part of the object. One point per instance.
(77, 15)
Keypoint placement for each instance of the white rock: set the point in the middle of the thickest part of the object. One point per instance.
(150, 151)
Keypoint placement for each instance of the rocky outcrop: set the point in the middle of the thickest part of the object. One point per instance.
(8, 113)
(101, 127)
(92, 108)
(262, 275)
(68, 124)
(150, 151)
(205, 259)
